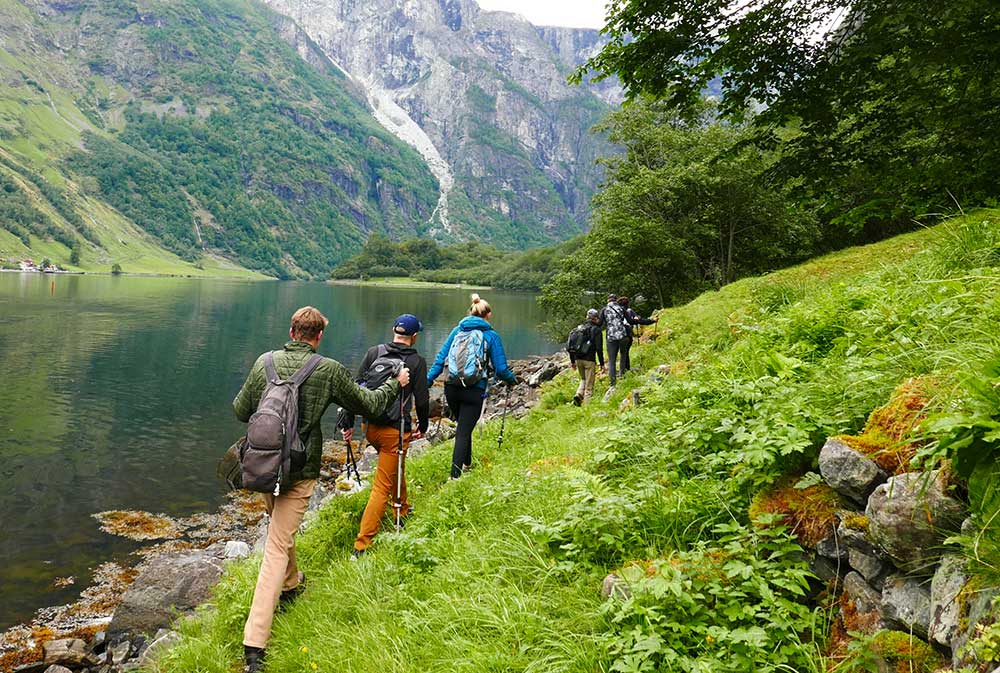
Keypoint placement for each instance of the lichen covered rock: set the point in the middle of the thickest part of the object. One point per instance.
(849, 472)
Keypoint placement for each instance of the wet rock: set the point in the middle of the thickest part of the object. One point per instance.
(906, 604)
(71, 652)
(236, 549)
(849, 472)
(909, 516)
(161, 644)
(171, 583)
(866, 599)
(948, 582)
(615, 587)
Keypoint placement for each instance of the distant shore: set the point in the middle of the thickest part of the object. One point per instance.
(406, 283)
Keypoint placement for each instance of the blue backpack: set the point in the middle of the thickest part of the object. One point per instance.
(467, 358)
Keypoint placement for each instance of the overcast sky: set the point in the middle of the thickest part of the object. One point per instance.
(572, 13)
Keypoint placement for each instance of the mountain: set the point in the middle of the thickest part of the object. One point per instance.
(212, 129)
(483, 96)
(191, 136)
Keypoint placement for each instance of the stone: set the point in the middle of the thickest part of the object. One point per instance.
(171, 583)
(34, 667)
(236, 549)
(832, 547)
(615, 587)
(55, 668)
(948, 582)
(160, 644)
(866, 599)
(825, 570)
(316, 498)
(906, 604)
(120, 652)
(547, 372)
(909, 517)
(849, 472)
(70, 652)
(854, 539)
(868, 565)
(975, 609)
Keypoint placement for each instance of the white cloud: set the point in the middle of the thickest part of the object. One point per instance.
(569, 13)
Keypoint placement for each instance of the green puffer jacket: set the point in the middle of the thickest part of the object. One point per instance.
(331, 383)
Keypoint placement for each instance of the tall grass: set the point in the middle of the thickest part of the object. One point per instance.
(501, 570)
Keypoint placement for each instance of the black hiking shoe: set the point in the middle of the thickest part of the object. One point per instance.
(289, 595)
(357, 554)
(254, 659)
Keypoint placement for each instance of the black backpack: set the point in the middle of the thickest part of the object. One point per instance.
(385, 366)
(579, 340)
(273, 444)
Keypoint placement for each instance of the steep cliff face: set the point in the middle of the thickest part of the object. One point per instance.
(483, 96)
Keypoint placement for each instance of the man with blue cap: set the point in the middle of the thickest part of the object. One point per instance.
(390, 433)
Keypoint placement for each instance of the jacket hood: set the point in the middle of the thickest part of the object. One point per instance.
(400, 349)
(474, 322)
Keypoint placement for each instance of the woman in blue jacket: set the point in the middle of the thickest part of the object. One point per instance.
(466, 398)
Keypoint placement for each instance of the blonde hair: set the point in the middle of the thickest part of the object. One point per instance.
(480, 307)
(307, 323)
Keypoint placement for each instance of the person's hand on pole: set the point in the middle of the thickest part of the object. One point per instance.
(416, 434)
(348, 434)
(403, 377)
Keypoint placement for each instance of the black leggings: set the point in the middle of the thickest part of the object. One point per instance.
(466, 406)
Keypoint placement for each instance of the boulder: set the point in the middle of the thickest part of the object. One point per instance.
(55, 668)
(947, 584)
(849, 472)
(906, 604)
(236, 549)
(854, 539)
(69, 652)
(171, 583)
(909, 516)
(866, 599)
(869, 565)
(546, 372)
(832, 547)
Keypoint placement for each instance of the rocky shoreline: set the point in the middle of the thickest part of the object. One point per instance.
(123, 619)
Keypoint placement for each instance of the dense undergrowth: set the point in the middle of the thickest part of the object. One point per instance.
(501, 570)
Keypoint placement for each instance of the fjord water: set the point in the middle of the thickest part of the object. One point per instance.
(116, 394)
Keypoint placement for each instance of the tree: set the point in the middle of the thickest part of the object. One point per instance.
(116, 269)
(46, 263)
(74, 255)
(883, 109)
(685, 208)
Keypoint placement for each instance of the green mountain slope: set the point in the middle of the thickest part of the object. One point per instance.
(190, 133)
(502, 570)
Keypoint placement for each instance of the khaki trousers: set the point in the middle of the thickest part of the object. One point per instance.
(278, 571)
(386, 440)
(588, 372)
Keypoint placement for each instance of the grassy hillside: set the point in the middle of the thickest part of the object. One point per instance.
(501, 570)
(190, 131)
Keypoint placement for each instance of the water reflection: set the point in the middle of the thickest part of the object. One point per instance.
(116, 394)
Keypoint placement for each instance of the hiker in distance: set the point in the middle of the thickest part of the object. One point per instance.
(632, 319)
(472, 353)
(586, 348)
(390, 432)
(613, 320)
(322, 382)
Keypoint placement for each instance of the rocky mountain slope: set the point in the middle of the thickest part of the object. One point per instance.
(189, 132)
(483, 96)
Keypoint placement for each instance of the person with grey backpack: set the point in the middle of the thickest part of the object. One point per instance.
(613, 320)
(283, 401)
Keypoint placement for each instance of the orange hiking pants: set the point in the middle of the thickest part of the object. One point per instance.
(386, 440)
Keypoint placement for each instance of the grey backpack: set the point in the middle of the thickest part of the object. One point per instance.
(615, 321)
(273, 444)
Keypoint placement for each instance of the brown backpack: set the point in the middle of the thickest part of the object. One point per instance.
(273, 443)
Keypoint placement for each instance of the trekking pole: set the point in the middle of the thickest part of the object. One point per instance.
(503, 420)
(352, 462)
(398, 505)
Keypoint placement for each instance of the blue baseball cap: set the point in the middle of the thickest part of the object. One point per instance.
(407, 325)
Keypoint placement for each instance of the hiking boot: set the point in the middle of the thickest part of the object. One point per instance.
(357, 554)
(254, 659)
(289, 595)
(577, 400)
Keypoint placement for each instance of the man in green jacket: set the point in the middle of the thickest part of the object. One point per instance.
(330, 383)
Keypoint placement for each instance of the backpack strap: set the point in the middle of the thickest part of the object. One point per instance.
(269, 370)
(306, 370)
